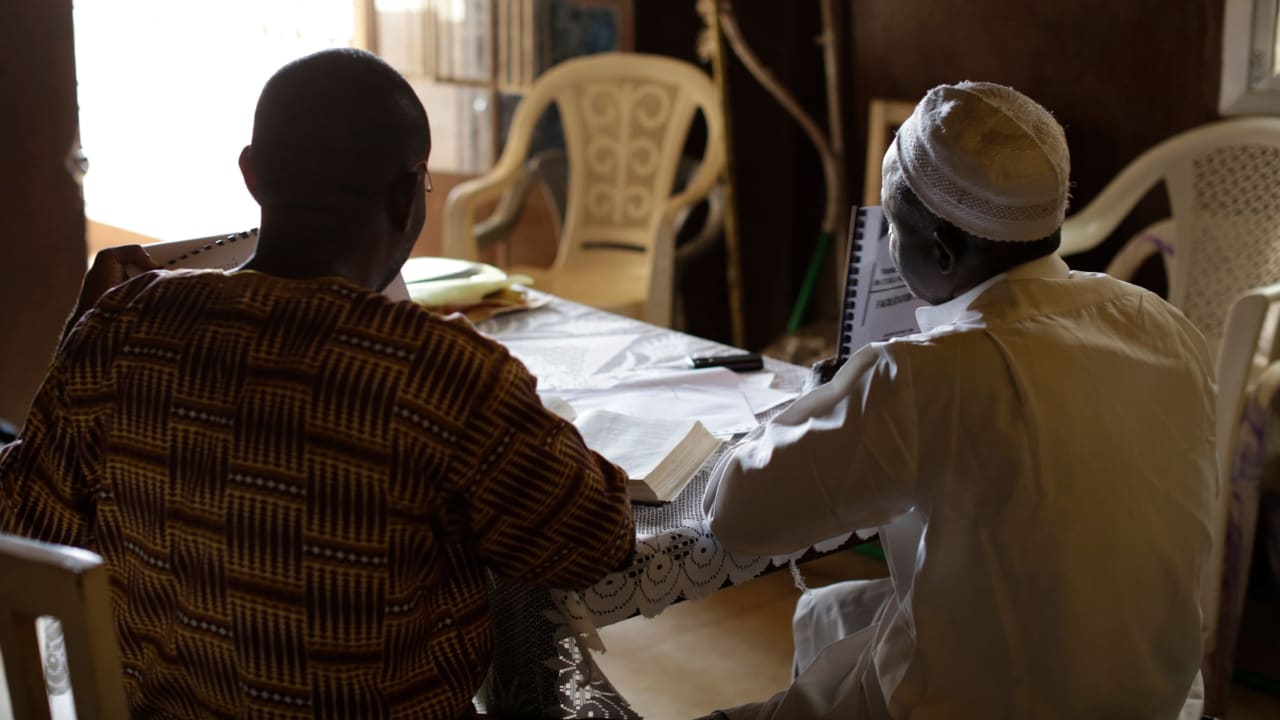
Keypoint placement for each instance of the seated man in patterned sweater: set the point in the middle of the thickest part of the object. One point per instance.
(296, 483)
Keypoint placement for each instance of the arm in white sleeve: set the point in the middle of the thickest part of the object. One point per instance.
(842, 457)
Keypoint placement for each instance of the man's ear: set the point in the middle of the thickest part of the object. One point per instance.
(945, 251)
(246, 170)
(400, 201)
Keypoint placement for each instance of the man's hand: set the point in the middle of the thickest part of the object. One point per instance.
(820, 373)
(111, 267)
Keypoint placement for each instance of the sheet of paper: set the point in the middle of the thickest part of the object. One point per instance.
(711, 395)
(761, 396)
(756, 387)
(558, 364)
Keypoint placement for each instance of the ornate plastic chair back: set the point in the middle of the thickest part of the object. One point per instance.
(626, 118)
(1223, 183)
(71, 585)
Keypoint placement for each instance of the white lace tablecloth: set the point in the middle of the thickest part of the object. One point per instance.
(543, 662)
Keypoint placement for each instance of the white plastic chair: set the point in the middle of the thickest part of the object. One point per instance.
(1223, 185)
(71, 585)
(626, 117)
(1249, 391)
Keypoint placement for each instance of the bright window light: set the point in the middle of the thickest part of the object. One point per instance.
(454, 11)
(167, 90)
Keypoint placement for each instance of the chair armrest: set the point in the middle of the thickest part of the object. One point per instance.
(499, 224)
(1267, 389)
(658, 308)
(703, 182)
(1087, 228)
(1236, 358)
(546, 170)
(677, 208)
(460, 207)
(707, 175)
(706, 238)
(1160, 237)
(460, 225)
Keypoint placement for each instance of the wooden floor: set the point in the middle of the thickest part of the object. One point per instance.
(735, 647)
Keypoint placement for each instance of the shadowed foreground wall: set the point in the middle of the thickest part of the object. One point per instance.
(42, 250)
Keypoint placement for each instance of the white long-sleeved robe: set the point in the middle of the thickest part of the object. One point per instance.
(1041, 460)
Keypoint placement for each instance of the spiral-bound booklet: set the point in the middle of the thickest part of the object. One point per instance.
(877, 304)
(227, 252)
(221, 252)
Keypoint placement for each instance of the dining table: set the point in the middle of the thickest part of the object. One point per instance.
(545, 638)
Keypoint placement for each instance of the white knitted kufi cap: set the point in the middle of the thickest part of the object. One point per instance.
(986, 158)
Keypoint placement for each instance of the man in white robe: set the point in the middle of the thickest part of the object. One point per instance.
(1039, 458)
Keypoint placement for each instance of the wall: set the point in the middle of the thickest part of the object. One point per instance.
(1121, 76)
(778, 181)
(42, 249)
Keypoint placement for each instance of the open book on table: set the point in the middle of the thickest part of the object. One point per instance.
(660, 456)
(877, 305)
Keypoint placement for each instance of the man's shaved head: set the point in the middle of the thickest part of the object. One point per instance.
(335, 127)
(338, 164)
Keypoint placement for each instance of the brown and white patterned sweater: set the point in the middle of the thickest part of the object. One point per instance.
(296, 486)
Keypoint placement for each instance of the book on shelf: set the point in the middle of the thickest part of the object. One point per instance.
(876, 304)
(660, 455)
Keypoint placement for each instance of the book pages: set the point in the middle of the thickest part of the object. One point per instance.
(659, 455)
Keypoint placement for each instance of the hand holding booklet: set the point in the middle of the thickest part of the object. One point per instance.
(660, 455)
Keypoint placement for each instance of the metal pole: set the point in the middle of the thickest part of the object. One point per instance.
(835, 212)
(733, 250)
(831, 57)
